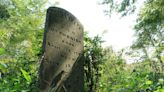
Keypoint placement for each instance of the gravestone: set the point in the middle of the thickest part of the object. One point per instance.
(61, 68)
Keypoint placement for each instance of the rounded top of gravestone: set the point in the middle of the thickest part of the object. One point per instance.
(63, 11)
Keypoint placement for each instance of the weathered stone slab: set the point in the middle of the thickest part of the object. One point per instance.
(61, 67)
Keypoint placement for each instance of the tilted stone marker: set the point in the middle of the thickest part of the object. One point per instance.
(61, 68)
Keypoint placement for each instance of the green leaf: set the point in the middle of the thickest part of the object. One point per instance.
(160, 90)
(26, 75)
(148, 82)
(3, 67)
(2, 51)
(161, 81)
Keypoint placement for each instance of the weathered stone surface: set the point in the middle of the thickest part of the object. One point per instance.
(61, 68)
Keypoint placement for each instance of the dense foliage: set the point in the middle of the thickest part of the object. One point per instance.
(21, 30)
(93, 53)
(147, 74)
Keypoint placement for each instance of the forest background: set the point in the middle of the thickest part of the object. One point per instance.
(21, 36)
